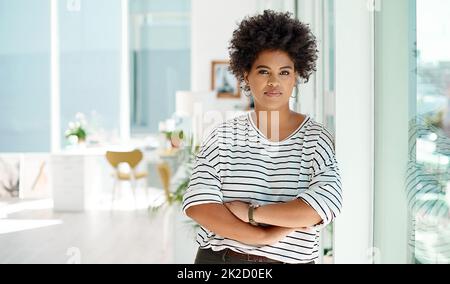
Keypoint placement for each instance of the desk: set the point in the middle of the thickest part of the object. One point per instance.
(77, 175)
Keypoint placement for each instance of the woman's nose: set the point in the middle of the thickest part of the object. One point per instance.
(272, 82)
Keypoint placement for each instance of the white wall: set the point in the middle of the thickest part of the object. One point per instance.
(354, 130)
(395, 91)
(212, 25)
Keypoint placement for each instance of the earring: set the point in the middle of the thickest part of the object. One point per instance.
(246, 89)
(295, 91)
(297, 82)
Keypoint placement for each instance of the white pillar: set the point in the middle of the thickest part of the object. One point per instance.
(355, 129)
(395, 82)
(125, 74)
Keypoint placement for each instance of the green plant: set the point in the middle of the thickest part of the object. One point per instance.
(77, 131)
(77, 128)
(176, 133)
(186, 161)
(175, 137)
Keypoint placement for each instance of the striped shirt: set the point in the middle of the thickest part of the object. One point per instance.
(237, 162)
(427, 191)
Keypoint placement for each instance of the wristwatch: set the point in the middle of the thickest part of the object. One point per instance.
(251, 209)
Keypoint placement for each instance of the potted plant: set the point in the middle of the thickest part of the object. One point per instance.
(175, 137)
(77, 133)
(186, 161)
(182, 230)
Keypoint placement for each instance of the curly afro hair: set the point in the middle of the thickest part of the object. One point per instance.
(273, 31)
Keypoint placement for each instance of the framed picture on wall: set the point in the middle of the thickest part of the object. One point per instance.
(223, 82)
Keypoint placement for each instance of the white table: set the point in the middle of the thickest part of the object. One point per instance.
(76, 175)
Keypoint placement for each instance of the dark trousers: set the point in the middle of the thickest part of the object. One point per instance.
(208, 256)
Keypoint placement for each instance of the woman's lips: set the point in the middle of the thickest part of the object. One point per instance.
(272, 94)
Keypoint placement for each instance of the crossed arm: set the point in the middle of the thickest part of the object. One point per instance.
(230, 220)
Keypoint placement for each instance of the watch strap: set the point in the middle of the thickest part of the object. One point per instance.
(251, 210)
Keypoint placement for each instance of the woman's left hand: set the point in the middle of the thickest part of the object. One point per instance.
(239, 209)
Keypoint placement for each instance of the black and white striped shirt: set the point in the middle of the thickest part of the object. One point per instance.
(237, 162)
(427, 191)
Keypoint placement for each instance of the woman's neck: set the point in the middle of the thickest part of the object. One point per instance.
(272, 123)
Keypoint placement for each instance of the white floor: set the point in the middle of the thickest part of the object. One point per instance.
(31, 232)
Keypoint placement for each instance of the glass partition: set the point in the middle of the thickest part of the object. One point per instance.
(428, 180)
(160, 55)
(24, 76)
(412, 123)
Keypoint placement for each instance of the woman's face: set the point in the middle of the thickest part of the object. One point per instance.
(271, 80)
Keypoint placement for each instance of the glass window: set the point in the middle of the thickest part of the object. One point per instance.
(429, 164)
(317, 97)
(412, 132)
(329, 110)
(90, 62)
(24, 76)
(159, 60)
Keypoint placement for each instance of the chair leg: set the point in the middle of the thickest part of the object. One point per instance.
(133, 188)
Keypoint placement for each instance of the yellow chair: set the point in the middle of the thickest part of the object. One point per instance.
(132, 158)
(164, 174)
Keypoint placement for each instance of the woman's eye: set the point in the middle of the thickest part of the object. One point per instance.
(284, 73)
(264, 72)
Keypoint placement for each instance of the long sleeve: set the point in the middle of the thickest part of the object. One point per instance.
(325, 189)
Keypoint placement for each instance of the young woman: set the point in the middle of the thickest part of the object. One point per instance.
(265, 183)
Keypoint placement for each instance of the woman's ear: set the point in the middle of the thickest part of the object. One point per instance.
(246, 77)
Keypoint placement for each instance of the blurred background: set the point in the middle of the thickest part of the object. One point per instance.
(102, 104)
